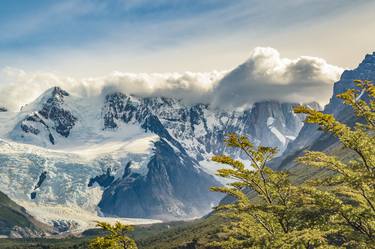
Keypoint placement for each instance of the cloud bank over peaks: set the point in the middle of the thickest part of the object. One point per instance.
(268, 76)
(264, 76)
(190, 87)
(18, 87)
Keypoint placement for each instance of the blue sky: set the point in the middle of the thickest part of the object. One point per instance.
(93, 37)
(36, 24)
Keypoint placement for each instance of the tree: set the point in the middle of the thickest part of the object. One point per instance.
(350, 190)
(280, 214)
(116, 237)
(335, 211)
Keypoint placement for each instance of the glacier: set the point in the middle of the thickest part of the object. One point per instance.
(116, 155)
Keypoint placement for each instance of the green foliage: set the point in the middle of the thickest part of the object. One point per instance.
(180, 234)
(44, 243)
(351, 195)
(116, 237)
(280, 216)
(334, 211)
(176, 235)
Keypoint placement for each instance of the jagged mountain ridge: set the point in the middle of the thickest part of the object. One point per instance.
(270, 122)
(201, 130)
(115, 147)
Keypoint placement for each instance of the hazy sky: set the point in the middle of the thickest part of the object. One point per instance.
(85, 38)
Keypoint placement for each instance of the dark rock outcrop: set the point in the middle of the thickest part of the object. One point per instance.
(41, 179)
(104, 180)
(53, 110)
(52, 118)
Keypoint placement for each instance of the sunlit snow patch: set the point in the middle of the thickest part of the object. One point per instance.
(275, 131)
(74, 218)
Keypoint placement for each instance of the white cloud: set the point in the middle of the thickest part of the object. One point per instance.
(267, 76)
(264, 76)
(18, 87)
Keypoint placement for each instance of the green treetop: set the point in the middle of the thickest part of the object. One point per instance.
(115, 238)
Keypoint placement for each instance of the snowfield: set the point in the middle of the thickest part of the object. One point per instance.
(65, 197)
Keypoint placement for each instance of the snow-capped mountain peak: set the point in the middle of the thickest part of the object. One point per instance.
(127, 155)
